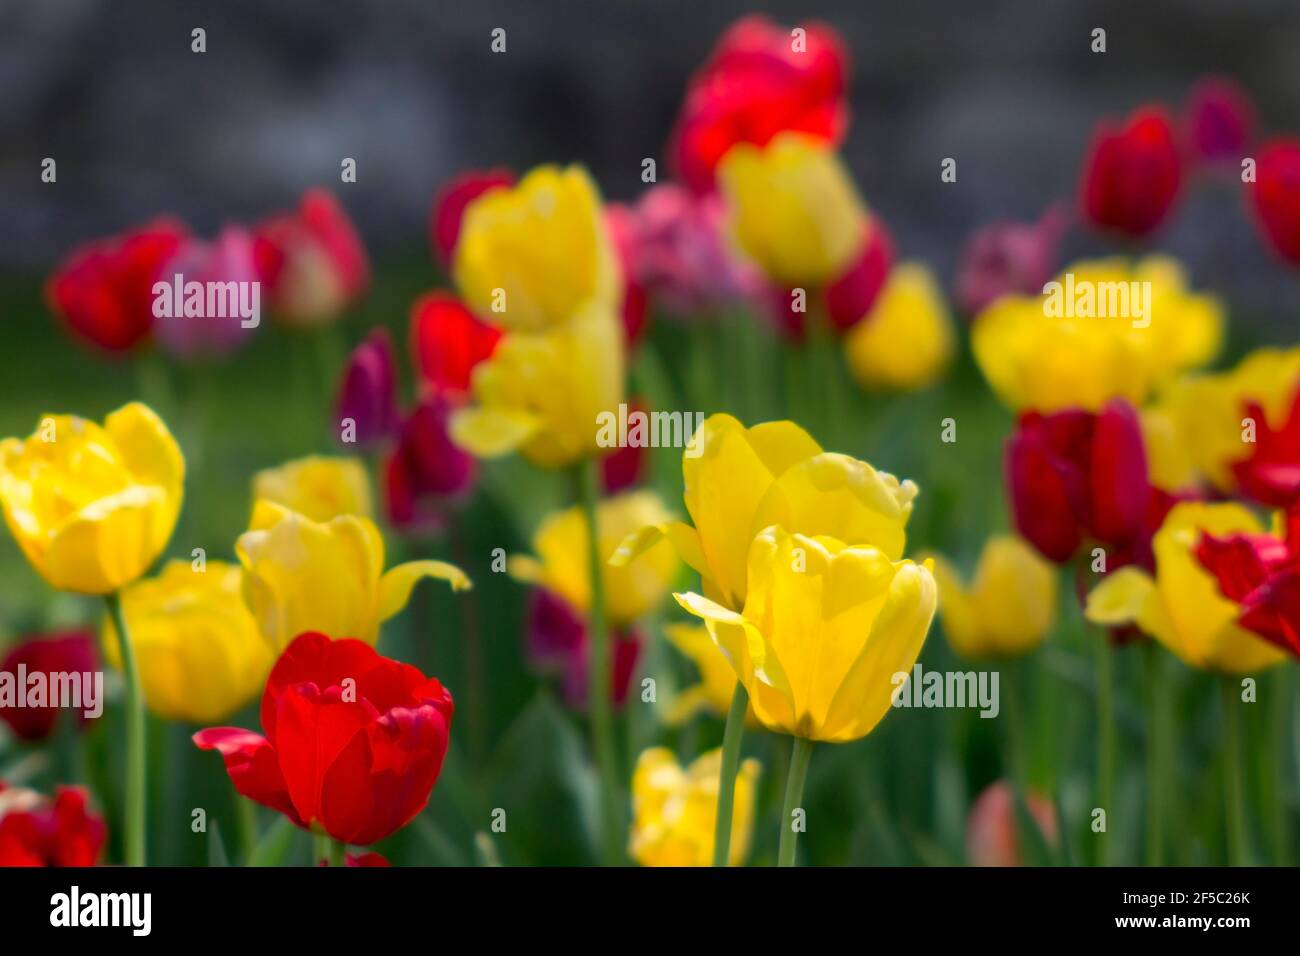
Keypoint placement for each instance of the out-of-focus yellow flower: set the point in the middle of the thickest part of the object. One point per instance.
(1208, 411)
(906, 340)
(530, 257)
(673, 810)
(93, 507)
(825, 628)
(1170, 464)
(1182, 607)
(792, 208)
(561, 562)
(1037, 356)
(741, 480)
(717, 679)
(1009, 607)
(542, 394)
(303, 575)
(317, 487)
(196, 644)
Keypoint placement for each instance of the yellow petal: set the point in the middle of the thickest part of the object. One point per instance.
(1120, 598)
(491, 432)
(396, 584)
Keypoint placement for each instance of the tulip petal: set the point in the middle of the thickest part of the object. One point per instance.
(492, 432)
(252, 765)
(1121, 598)
(739, 640)
(108, 544)
(680, 535)
(396, 584)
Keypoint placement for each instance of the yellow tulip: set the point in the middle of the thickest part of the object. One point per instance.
(1034, 358)
(197, 646)
(741, 480)
(542, 394)
(530, 257)
(906, 341)
(1009, 607)
(317, 487)
(793, 209)
(1209, 411)
(303, 575)
(717, 679)
(561, 562)
(673, 809)
(1171, 465)
(1181, 606)
(825, 628)
(93, 507)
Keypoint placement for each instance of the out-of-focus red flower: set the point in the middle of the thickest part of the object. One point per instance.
(1275, 196)
(1220, 119)
(1075, 476)
(63, 652)
(625, 466)
(556, 643)
(448, 340)
(226, 259)
(850, 297)
(1271, 475)
(37, 831)
(360, 859)
(311, 261)
(759, 81)
(354, 741)
(993, 831)
(103, 291)
(1006, 258)
(449, 206)
(1132, 174)
(367, 392)
(1261, 573)
(427, 471)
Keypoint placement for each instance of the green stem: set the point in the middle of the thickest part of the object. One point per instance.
(1277, 729)
(246, 817)
(1017, 760)
(727, 777)
(1105, 739)
(599, 677)
(799, 757)
(1236, 822)
(133, 825)
(1155, 758)
(338, 851)
(321, 848)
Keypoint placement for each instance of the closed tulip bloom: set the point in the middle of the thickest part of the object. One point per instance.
(353, 744)
(1181, 605)
(92, 506)
(1132, 174)
(849, 299)
(200, 655)
(63, 652)
(38, 831)
(1261, 573)
(742, 480)
(303, 575)
(1275, 197)
(993, 836)
(560, 564)
(541, 394)
(427, 471)
(317, 487)
(717, 680)
(226, 259)
(1008, 258)
(557, 644)
(673, 809)
(530, 257)
(793, 209)
(449, 207)
(448, 342)
(1007, 609)
(824, 629)
(1220, 120)
(365, 409)
(906, 341)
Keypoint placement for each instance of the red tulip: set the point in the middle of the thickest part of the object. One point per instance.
(354, 741)
(757, 83)
(227, 258)
(1132, 174)
(449, 207)
(37, 831)
(64, 652)
(556, 642)
(1074, 476)
(1262, 574)
(1006, 258)
(368, 391)
(448, 341)
(311, 261)
(850, 297)
(1275, 196)
(1220, 118)
(103, 291)
(427, 471)
(1271, 475)
(993, 827)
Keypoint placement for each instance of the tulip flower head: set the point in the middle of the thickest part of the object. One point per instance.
(673, 809)
(427, 471)
(38, 831)
(557, 643)
(1133, 174)
(63, 652)
(1008, 258)
(1220, 120)
(993, 835)
(448, 343)
(1007, 609)
(906, 341)
(198, 649)
(318, 487)
(1275, 197)
(353, 741)
(229, 258)
(365, 410)
(92, 506)
(449, 207)
(303, 575)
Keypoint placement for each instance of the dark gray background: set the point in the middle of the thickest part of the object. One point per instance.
(140, 125)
